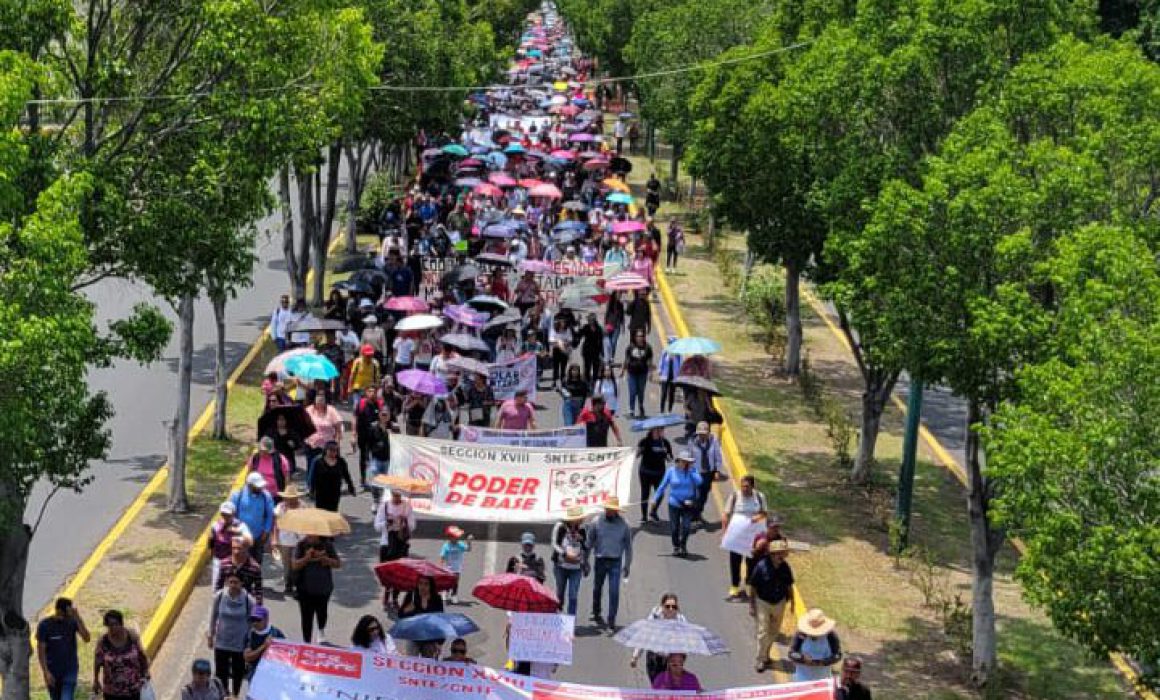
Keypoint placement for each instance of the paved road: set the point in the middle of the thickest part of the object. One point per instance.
(701, 581)
(143, 397)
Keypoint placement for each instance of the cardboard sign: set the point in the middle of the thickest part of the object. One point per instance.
(543, 637)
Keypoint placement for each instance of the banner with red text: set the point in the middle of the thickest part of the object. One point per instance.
(301, 671)
(475, 481)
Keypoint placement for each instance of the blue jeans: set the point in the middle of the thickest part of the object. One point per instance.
(570, 410)
(636, 384)
(606, 567)
(376, 467)
(281, 344)
(65, 688)
(568, 579)
(680, 522)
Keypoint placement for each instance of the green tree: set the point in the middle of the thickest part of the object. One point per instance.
(1078, 449)
(1071, 136)
(52, 425)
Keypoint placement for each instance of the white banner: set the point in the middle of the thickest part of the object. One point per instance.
(572, 436)
(305, 672)
(507, 378)
(510, 484)
(543, 637)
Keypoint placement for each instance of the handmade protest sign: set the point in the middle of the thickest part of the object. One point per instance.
(543, 637)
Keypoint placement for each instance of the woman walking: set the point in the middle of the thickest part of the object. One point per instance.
(330, 471)
(637, 362)
(575, 393)
(668, 609)
(315, 560)
(681, 483)
(120, 666)
(570, 556)
(748, 503)
(228, 625)
(655, 452)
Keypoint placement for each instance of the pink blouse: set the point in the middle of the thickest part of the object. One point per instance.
(327, 426)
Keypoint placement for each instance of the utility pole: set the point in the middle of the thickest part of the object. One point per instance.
(906, 472)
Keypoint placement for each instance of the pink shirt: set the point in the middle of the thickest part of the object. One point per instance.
(513, 417)
(265, 465)
(666, 682)
(327, 426)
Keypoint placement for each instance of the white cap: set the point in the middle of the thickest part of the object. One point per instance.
(228, 508)
(256, 480)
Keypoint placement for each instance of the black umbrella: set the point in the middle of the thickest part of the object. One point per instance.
(373, 277)
(313, 324)
(353, 262)
(296, 420)
(356, 286)
(620, 165)
(695, 382)
(463, 273)
(489, 304)
(507, 318)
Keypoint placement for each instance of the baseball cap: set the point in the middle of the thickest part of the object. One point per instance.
(527, 538)
(684, 456)
(202, 666)
(259, 613)
(228, 508)
(256, 480)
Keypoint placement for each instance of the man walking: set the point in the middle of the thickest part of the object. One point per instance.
(610, 541)
(280, 322)
(255, 507)
(56, 650)
(708, 462)
(772, 584)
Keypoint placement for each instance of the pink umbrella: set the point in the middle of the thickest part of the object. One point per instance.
(535, 266)
(502, 180)
(545, 190)
(528, 183)
(488, 190)
(596, 164)
(625, 282)
(564, 154)
(570, 110)
(470, 163)
(421, 382)
(628, 226)
(582, 137)
(586, 155)
(407, 304)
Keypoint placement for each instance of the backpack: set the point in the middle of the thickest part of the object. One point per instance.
(214, 682)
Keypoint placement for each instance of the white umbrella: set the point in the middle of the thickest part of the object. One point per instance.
(419, 322)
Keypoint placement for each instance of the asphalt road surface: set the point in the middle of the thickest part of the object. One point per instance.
(143, 397)
(701, 581)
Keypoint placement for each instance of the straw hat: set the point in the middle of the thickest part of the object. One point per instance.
(291, 491)
(613, 503)
(778, 546)
(815, 623)
(574, 513)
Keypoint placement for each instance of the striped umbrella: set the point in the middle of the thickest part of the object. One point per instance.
(671, 637)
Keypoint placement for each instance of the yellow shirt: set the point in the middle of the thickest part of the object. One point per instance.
(364, 372)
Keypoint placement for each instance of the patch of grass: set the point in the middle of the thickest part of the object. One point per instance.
(847, 572)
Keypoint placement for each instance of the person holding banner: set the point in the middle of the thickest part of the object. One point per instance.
(681, 482)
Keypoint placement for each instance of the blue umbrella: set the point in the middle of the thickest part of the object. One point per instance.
(694, 345)
(662, 421)
(566, 236)
(499, 231)
(430, 627)
(619, 198)
(514, 148)
(497, 160)
(311, 367)
(570, 226)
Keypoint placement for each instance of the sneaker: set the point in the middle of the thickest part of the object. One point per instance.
(455, 600)
(320, 638)
(676, 551)
(597, 619)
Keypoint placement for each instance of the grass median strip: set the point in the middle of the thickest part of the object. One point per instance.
(142, 563)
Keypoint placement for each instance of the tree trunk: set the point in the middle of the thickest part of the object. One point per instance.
(358, 161)
(324, 212)
(15, 647)
(874, 397)
(220, 371)
(179, 429)
(306, 213)
(985, 543)
(675, 170)
(793, 319)
(298, 292)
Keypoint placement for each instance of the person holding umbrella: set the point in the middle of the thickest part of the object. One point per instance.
(284, 541)
(668, 609)
(682, 484)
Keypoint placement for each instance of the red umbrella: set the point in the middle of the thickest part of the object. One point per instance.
(404, 574)
(502, 180)
(596, 164)
(488, 190)
(528, 183)
(408, 304)
(516, 592)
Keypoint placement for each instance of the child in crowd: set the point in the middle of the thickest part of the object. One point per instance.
(451, 556)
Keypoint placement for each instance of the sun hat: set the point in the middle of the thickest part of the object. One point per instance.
(612, 503)
(256, 480)
(778, 546)
(367, 350)
(703, 428)
(527, 538)
(815, 623)
(574, 513)
(291, 491)
(453, 531)
(228, 508)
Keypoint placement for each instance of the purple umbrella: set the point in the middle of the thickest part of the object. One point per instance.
(582, 137)
(464, 315)
(421, 382)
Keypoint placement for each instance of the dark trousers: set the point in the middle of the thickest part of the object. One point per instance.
(312, 607)
(671, 257)
(648, 483)
(363, 454)
(230, 668)
(668, 396)
(591, 369)
(559, 364)
(703, 492)
(735, 560)
(606, 568)
(680, 522)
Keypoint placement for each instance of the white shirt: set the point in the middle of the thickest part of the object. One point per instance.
(285, 537)
(404, 349)
(389, 514)
(280, 322)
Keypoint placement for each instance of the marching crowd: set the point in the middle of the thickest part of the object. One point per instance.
(530, 188)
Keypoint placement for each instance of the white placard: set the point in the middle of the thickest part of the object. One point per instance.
(543, 637)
